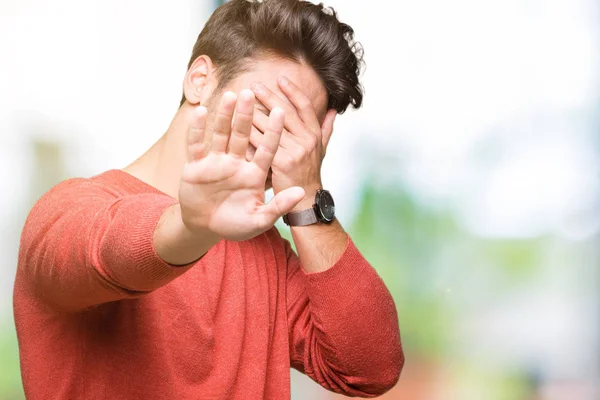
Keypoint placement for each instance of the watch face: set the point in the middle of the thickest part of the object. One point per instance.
(326, 206)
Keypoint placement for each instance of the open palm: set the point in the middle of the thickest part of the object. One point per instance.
(220, 190)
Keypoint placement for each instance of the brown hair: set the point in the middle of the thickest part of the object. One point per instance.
(298, 30)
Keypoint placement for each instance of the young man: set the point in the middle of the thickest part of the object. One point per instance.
(167, 279)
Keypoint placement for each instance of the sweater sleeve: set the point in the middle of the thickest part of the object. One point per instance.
(82, 246)
(343, 326)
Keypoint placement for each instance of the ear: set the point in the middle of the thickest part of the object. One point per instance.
(199, 80)
(327, 127)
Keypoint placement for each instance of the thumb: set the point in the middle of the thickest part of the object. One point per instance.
(281, 204)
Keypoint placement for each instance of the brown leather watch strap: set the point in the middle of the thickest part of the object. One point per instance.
(301, 218)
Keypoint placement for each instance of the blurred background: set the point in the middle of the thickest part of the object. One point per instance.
(470, 179)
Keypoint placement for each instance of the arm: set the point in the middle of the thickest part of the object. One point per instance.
(82, 246)
(343, 325)
(175, 243)
(342, 319)
(320, 245)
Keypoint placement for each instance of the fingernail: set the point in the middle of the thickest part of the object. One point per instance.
(283, 80)
(257, 87)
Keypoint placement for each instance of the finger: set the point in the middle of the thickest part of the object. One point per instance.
(327, 127)
(293, 123)
(290, 142)
(250, 151)
(221, 128)
(281, 204)
(204, 173)
(261, 122)
(256, 137)
(270, 142)
(196, 152)
(303, 105)
(196, 134)
(242, 125)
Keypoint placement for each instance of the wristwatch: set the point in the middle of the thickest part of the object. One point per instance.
(322, 211)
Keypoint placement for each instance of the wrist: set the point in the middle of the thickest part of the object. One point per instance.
(195, 232)
(309, 197)
(176, 243)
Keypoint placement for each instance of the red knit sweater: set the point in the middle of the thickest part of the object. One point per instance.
(100, 316)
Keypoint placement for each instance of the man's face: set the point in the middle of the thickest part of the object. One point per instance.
(266, 71)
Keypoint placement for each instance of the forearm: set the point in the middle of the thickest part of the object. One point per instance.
(81, 247)
(177, 245)
(343, 322)
(319, 246)
(349, 311)
(344, 329)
